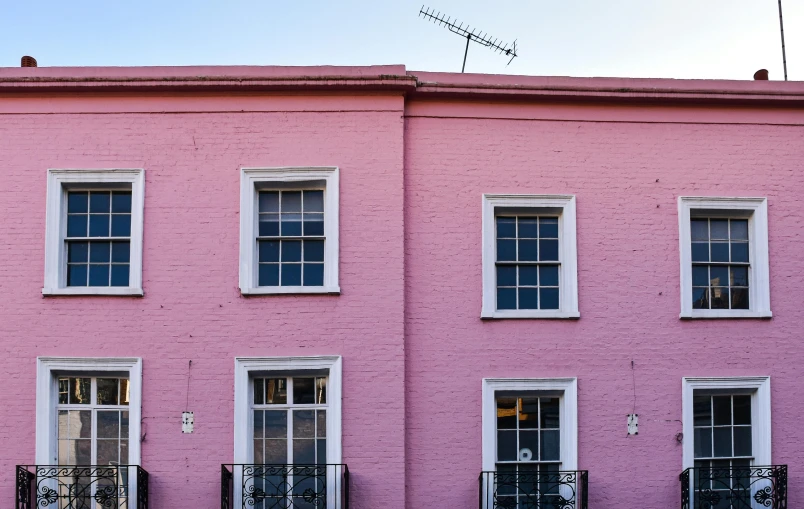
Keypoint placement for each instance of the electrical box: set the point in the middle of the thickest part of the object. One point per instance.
(633, 424)
(187, 422)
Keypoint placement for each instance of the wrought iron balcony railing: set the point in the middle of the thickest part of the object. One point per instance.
(285, 486)
(734, 487)
(81, 487)
(534, 490)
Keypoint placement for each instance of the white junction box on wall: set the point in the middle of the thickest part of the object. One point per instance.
(187, 422)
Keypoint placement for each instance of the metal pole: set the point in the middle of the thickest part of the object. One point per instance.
(469, 38)
(781, 26)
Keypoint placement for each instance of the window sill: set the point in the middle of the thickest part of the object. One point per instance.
(552, 314)
(118, 291)
(723, 313)
(292, 290)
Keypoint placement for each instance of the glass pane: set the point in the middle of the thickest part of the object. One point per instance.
(268, 250)
(291, 251)
(276, 391)
(506, 250)
(551, 447)
(528, 275)
(702, 408)
(276, 423)
(259, 455)
(548, 275)
(120, 276)
(700, 298)
(720, 298)
(506, 275)
(721, 408)
(291, 201)
(259, 424)
(506, 227)
(303, 451)
(739, 252)
(699, 229)
(124, 453)
(108, 424)
(269, 225)
(99, 202)
(100, 252)
(314, 201)
(80, 391)
(259, 391)
(742, 409)
(739, 276)
(529, 413)
(550, 413)
(77, 202)
(121, 202)
(98, 225)
(320, 391)
(77, 226)
(722, 441)
(276, 452)
(79, 424)
(83, 452)
(742, 441)
(313, 274)
(269, 274)
(548, 250)
(304, 424)
(506, 413)
(108, 453)
(63, 424)
(718, 276)
(121, 252)
(719, 229)
(528, 445)
(314, 250)
(506, 446)
(528, 228)
(321, 452)
(124, 424)
(121, 225)
(528, 298)
(739, 229)
(314, 224)
(506, 298)
(321, 424)
(700, 252)
(124, 392)
(739, 298)
(107, 391)
(291, 225)
(98, 275)
(291, 274)
(64, 391)
(303, 391)
(77, 275)
(269, 201)
(77, 252)
(703, 442)
(549, 298)
(720, 251)
(548, 227)
(528, 250)
(700, 275)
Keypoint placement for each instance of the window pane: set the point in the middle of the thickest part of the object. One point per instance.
(321, 425)
(276, 452)
(291, 274)
(121, 202)
(699, 229)
(506, 227)
(98, 225)
(722, 441)
(739, 229)
(100, 252)
(739, 298)
(313, 274)
(529, 413)
(269, 274)
(77, 275)
(107, 391)
(700, 275)
(551, 448)
(506, 250)
(528, 298)
(269, 201)
(548, 227)
(314, 201)
(276, 423)
(303, 452)
(719, 229)
(76, 226)
(291, 251)
(742, 441)
(121, 252)
(548, 275)
(314, 224)
(720, 298)
(276, 391)
(259, 391)
(700, 298)
(269, 225)
(506, 446)
(739, 276)
(506, 413)
(703, 442)
(303, 391)
(549, 298)
(702, 408)
(80, 391)
(528, 228)
(99, 202)
(718, 276)
(700, 251)
(722, 410)
(549, 413)
(321, 452)
(304, 423)
(720, 251)
(77, 202)
(739, 252)
(506, 298)
(64, 391)
(124, 394)
(120, 275)
(320, 391)
(98, 275)
(548, 250)
(528, 250)
(291, 201)
(506, 275)
(291, 225)
(121, 225)
(109, 424)
(77, 252)
(314, 250)
(528, 446)
(269, 250)
(742, 409)
(528, 275)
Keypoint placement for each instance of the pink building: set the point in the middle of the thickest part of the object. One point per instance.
(223, 285)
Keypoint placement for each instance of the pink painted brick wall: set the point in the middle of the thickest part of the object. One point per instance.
(627, 169)
(192, 308)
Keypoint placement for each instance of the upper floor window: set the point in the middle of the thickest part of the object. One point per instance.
(529, 257)
(289, 231)
(94, 232)
(724, 257)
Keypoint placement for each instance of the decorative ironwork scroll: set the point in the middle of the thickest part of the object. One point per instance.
(737, 487)
(80, 487)
(534, 490)
(285, 486)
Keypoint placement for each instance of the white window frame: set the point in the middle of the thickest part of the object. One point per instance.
(567, 414)
(48, 371)
(59, 181)
(567, 249)
(760, 413)
(756, 209)
(250, 180)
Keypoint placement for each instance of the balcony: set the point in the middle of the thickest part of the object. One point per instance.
(81, 487)
(285, 486)
(734, 487)
(534, 490)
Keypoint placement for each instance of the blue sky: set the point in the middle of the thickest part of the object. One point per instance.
(638, 38)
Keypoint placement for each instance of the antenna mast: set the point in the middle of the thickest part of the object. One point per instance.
(470, 34)
(781, 27)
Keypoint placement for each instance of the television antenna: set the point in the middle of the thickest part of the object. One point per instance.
(471, 34)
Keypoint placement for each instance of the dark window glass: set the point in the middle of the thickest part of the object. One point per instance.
(528, 275)
(506, 275)
(313, 274)
(314, 250)
(99, 275)
(528, 298)
(549, 298)
(548, 275)
(269, 274)
(77, 202)
(291, 274)
(121, 202)
(506, 298)
(720, 269)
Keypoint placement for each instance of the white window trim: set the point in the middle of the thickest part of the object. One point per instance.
(56, 228)
(759, 278)
(247, 367)
(568, 415)
(249, 178)
(48, 369)
(760, 413)
(568, 254)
